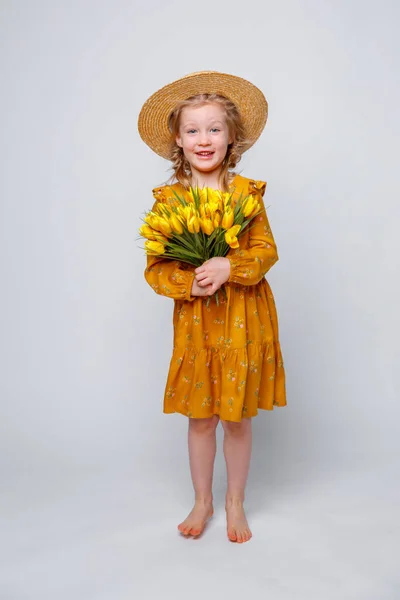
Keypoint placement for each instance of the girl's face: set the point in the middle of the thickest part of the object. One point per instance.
(204, 137)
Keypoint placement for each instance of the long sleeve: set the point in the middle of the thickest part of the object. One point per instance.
(250, 264)
(170, 277)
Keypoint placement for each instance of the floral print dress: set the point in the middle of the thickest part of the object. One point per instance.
(226, 358)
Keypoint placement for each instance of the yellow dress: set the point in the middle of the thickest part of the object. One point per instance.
(226, 359)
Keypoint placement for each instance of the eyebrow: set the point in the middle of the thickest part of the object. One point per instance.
(190, 123)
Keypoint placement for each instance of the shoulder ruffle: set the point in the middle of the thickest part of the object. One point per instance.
(256, 186)
(165, 193)
(250, 186)
(159, 193)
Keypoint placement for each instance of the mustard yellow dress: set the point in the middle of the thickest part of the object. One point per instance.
(226, 359)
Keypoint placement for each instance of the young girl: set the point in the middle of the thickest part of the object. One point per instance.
(226, 362)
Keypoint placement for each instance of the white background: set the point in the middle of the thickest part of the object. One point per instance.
(85, 343)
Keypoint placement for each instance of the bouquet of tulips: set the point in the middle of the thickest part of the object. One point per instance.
(199, 226)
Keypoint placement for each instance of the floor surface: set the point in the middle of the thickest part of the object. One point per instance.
(100, 536)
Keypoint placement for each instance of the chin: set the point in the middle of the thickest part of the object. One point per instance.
(204, 168)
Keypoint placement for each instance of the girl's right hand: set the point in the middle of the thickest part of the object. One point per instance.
(198, 290)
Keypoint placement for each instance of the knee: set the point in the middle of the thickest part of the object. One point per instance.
(236, 429)
(204, 426)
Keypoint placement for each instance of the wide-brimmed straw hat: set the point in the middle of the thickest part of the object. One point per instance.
(154, 116)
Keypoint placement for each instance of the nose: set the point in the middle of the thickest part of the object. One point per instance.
(204, 138)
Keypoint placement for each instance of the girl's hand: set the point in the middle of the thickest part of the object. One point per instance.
(200, 291)
(213, 273)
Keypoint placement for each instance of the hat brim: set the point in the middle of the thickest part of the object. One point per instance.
(249, 100)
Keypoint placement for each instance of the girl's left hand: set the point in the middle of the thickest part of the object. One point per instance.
(214, 272)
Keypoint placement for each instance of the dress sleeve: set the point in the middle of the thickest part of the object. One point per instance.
(169, 277)
(250, 264)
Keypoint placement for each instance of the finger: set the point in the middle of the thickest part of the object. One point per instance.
(200, 269)
(201, 276)
(206, 281)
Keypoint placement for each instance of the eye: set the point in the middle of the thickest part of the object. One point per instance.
(191, 131)
(215, 129)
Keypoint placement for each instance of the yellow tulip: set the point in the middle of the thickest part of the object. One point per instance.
(255, 210)
(203, 193)
(164, 226)
(249, 206)
(213, 207)
(207, 226)
(230, 236)
(158, 223)
(194, 224)
(154, 247)
(214, 196)
(147, 232)
(175, 223)
(227, 219)
(151, 219)
(187, 213)
(225, 198)
(204, 210)
(217, 219)
(160, 238)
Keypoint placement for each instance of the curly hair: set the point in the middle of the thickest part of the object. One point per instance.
(180, 165)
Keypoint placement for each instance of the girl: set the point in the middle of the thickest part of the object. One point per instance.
(226, 362)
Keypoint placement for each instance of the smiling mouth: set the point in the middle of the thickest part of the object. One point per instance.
(205, 153)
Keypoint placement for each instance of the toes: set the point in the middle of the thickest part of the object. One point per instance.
(185, 530)
(248, 535)
(232, 535)
(239, 537)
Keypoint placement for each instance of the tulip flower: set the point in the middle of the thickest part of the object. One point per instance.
(151, 219)
(194, 224)
(227, 219)
(207, 226)
(147, 232)
(250, 206)
(175, 223)
(213, 196)
(213, 207)
(231, 236)
(154, 247)
(164, 226)
(217, 219)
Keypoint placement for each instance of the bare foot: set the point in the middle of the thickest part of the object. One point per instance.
(195, 522)
(238, 528)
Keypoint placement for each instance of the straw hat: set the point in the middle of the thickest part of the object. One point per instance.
(154, 115)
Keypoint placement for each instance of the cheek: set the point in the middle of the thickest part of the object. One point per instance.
(223, 144)
(188, 144)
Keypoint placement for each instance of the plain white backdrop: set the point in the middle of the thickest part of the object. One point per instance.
(85, 343)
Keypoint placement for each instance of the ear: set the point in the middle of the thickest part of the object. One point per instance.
(178, 140)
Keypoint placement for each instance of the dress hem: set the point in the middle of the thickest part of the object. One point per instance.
(208, 416)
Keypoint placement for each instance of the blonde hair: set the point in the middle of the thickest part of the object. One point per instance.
(180, 164)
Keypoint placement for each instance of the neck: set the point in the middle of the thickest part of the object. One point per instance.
(211, 180)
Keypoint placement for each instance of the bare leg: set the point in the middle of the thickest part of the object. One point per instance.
(202, 450)
(237, 451)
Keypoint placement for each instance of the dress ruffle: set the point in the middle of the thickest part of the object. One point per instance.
(230, 382)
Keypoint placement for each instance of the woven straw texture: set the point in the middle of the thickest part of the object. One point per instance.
(153, 117)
